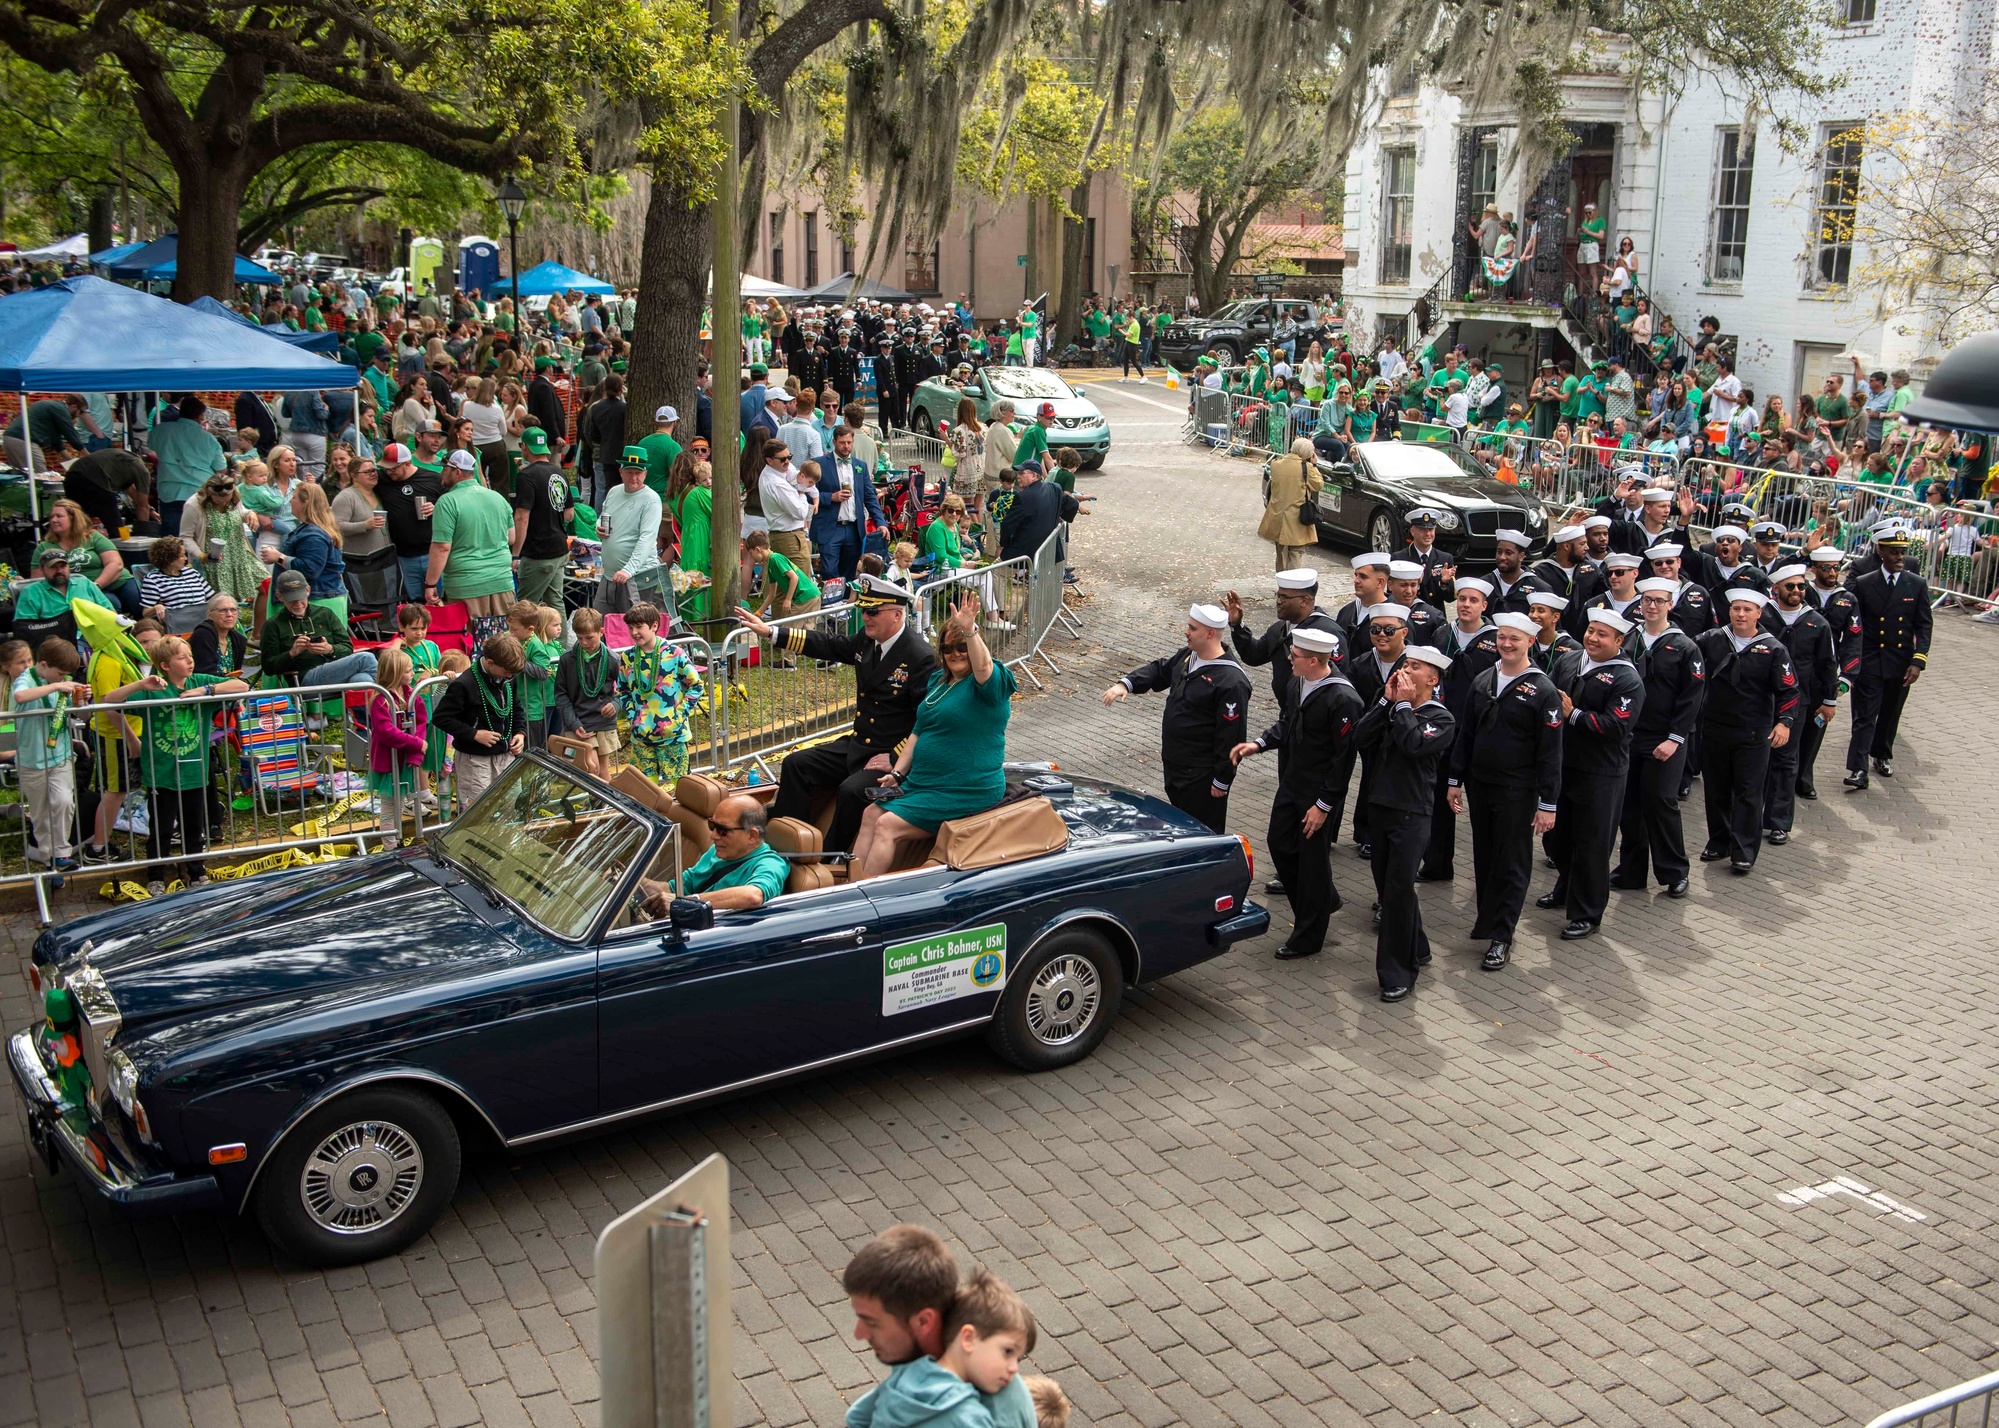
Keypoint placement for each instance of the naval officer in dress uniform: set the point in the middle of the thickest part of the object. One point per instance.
(1440, 567)
(1207, 709)
(892, 667)
(1314, 728)
(1807, 635)
(1894, 608)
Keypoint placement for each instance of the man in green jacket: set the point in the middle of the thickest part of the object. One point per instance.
(307, 642)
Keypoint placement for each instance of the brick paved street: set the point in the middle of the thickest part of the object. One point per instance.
(1549, 1195)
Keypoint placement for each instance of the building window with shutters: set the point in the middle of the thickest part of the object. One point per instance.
(777, 246)
(812, 249)
(1398, 214)
(1484, 176)
(1728, 232)
(1837, 199)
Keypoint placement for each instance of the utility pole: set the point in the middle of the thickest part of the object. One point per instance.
(726, 352)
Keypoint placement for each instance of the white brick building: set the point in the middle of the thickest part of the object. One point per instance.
(1725, 224)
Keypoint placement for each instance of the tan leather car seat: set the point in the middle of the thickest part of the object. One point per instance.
(696, 798)
(792, 835)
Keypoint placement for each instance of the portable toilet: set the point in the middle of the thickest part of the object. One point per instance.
(479, 267)
(426, 258)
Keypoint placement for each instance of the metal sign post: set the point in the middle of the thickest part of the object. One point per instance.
(663, 1317)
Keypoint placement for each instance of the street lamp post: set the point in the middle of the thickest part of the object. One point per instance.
(513, 203)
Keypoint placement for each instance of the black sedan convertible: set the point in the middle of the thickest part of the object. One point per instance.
(320, 1044)
(1368, 498)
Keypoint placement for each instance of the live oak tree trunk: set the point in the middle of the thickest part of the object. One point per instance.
(211, 203)
(666, 350)
(1074, 283)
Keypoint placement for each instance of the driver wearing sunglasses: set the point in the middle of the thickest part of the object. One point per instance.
(740, 871)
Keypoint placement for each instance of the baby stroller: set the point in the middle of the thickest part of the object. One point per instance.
(907, 513)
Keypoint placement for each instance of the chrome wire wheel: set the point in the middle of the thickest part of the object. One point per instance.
(361, 1177)
(1062, 1002)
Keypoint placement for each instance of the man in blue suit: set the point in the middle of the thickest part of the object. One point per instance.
(841, 526)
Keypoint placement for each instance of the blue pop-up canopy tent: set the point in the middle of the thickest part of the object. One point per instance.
(88, 335)
(552, 279)
(103, 257)
(158, 262)
(304, 341)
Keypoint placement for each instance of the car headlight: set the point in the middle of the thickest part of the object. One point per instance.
(125, 1091)
(1534, 520)
(1447, 520)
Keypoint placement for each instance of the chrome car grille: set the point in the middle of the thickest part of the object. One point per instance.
(1072, 421)
(1482, 523)
(99, 1018)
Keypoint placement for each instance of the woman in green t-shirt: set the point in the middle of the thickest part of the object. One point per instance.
(92, 556)
(691, 499)
(941, 538)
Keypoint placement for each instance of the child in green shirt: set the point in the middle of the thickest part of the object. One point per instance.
(173, 757)
(539, 629)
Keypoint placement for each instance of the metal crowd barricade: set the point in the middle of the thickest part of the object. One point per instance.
(1002, 588)
(1046, 607)
(913, 448)
(1968, 1403)
(278, 779)
(777, 700)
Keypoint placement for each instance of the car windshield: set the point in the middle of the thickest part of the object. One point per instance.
(1418, 461)
(1029, 382)
(549, 843)
(1243, 310)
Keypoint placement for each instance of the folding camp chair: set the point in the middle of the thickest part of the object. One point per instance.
(271, 736)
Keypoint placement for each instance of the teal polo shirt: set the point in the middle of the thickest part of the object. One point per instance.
(762, 868)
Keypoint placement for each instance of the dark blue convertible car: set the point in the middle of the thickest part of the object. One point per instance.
(319, 1044)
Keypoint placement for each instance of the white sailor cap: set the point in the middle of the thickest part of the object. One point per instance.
(1548, 599)
(1303, 578)
(1619, 560)
(1571, 532)
(1655, 493)
(1512, 621)
(1596, 523)
(1389, 610)
(1321, 642)
(1789, 572)
(1828, 554)
(1730, 533)
(1404, 570)
(1519, 538)
(1658, 586)
(1664, 550)
(1611, 618)
(1430, 656)
(1213, 616)
(1373, 557)
(1472, 582)
(1743, 592)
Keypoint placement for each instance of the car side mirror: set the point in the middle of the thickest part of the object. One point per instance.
(690, 914)
(1343, 472)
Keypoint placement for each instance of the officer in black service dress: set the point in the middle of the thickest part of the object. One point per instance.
(1406, 733)
(1894, 607)
(1602, 697)
(1807, 637)
(892, 666)
(1506, 769)
(1440, 567)
(1675, 685)
(1207, 710)
(1752, 705)
(1314, 727)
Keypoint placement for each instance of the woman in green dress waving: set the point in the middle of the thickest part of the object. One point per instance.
(690, 496)
(951, 766)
